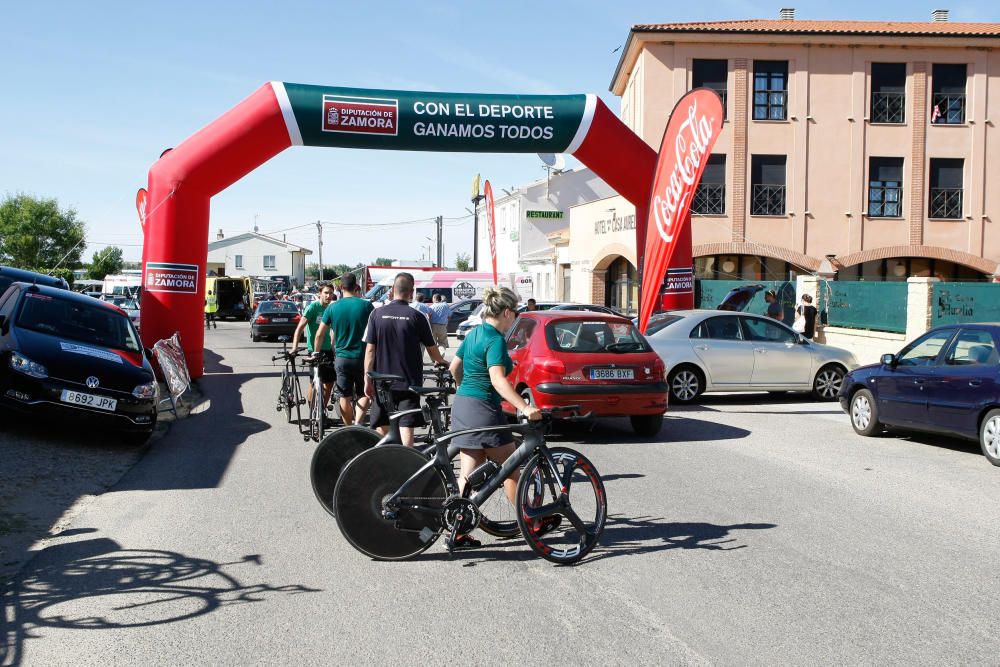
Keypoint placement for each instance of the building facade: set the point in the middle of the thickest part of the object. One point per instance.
(529, 221)
(861, 150)
(257, 255)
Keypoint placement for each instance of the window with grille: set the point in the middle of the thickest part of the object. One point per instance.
(770, 90)
(711, 74)
(885, 187)
(948, 94)
(946, 188)
(710, 197)
(888, 101)
(767, 179)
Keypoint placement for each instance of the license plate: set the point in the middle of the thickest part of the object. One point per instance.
(88, 400)
(612, 374)
(280, 319)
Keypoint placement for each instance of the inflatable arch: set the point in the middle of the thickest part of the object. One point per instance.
(279, 115)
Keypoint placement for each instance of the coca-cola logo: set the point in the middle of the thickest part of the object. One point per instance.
(691, 146)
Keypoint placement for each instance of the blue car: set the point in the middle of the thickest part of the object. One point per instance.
(947, 381)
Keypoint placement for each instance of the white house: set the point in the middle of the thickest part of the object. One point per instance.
(526, 217)
(253, 254)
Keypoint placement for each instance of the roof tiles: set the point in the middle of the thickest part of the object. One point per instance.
(795, 26)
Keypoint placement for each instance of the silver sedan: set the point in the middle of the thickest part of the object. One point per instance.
(716, 350)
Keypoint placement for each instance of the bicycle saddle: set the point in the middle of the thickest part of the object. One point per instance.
(385, 377)
(428, 391)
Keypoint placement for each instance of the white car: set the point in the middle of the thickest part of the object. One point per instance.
(717, 350)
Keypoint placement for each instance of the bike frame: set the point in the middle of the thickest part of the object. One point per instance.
(533, 442)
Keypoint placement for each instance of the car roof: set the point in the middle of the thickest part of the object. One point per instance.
(25, 276)
(572, 315)
(67, 295)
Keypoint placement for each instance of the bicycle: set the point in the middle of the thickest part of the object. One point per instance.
(316, 426)
(341, 446)
(290, 393)
(392, 503)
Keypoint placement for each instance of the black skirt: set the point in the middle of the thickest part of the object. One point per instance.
(468, 412)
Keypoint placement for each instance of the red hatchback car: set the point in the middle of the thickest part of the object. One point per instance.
(599, 362)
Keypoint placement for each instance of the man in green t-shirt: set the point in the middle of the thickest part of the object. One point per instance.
(345, 321)
(310, 324)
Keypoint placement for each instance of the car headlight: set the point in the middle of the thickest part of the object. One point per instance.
(147, 390)
(23, 364)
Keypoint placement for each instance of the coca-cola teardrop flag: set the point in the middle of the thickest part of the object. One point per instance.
(692, 129)
(140, 206)
(491, 227)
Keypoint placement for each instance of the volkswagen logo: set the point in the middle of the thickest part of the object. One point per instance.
(92, 382)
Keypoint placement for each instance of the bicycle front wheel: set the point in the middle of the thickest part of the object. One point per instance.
(367, 481)
(561, 531)
(333, 453)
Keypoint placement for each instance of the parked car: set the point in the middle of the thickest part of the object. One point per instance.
(273, 319)
(66, 355)
(593, 308)
(127, 304)
(597, 361)
(460, 312)
(9, 274)
(716, 350)
(946, 381)
(739, 298)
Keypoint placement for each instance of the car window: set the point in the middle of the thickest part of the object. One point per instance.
(97, 324)
(465, 308)
(595, 336)
(278, 307)
(661, 322)
(972, 347)
(925, 350)
(763, 330)
(719, 328)
(520, 334)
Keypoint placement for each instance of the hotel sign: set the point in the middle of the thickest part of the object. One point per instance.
(615, 225)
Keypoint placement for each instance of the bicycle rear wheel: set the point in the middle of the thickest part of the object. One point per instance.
(333, 453)
(580, 519)
(373, 476)
(285, 396)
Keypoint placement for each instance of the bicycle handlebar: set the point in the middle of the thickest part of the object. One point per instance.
(284, 356)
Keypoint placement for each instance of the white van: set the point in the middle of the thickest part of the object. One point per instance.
(453, 285)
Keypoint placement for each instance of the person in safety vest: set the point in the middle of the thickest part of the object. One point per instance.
(211, 308)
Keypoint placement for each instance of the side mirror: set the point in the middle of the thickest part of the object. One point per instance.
(148, 353)
(889, 360)
(803, 340)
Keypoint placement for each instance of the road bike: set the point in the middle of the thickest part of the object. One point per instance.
(290, 393)
(316, 425)
(342, 445)
(391, 503)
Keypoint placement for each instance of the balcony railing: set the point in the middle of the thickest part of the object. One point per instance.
(888, 107)
(885, 200)
(709, 199)
(768, 200)
(946, 203)
(948, 109)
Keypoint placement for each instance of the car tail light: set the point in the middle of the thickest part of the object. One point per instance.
(261, 320)
(659, 369)
(296, 318)
(552, 366)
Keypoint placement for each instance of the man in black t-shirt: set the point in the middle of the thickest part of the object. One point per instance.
(396, 337)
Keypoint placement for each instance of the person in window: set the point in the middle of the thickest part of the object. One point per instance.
(480, 369)
(531, 305)
(774, 309)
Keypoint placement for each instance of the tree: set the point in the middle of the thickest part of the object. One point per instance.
(106, 262)
(383, 261)
(35, 233)
(463, 262)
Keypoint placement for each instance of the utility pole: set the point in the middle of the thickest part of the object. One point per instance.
(440, 241)
(475, 230)
(319, 232)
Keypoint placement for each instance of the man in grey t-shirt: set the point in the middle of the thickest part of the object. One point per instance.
(774, 309)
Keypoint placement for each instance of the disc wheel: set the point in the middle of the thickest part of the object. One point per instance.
(333, 453)
(581, 514)
(373, 476)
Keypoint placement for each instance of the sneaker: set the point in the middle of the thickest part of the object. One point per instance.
(463, 542)
(546, 525)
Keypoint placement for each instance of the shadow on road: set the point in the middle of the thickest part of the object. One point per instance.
(97, 585)
(198, 450)
(213, 363)
(619, 432)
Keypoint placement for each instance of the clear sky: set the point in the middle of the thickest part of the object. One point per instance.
(95, 91)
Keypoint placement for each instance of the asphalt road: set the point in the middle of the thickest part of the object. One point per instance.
(757, 529)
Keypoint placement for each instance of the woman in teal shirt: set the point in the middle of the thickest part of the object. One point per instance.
(480, 368)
